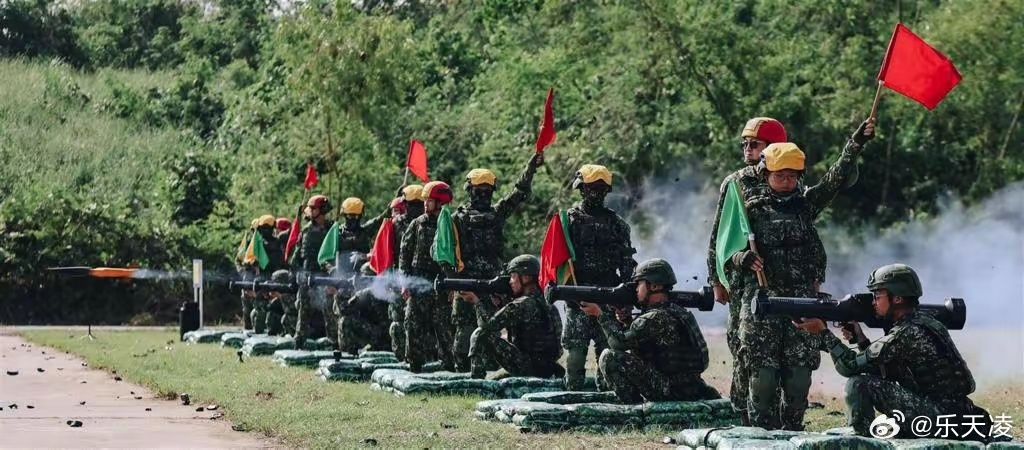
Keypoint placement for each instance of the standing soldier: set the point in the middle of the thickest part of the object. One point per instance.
(353, 235)
(310, 241)
(284, 228)
(265, 226)
(662, 354)
(427, 313)
(757, 134)
(284, 310)
(782, 220)
(246, 273)
(409, 207)
(604, 257)
(531, 349)
(482, 241)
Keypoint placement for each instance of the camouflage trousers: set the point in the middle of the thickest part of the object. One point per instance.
(312, 306)
(258, 316)
(635, 381)
(246, 312)
(397, 332)
(866, 394)
(290, 315)
(486, 347)
(579, 330)
(275, 315)
(464, 320)
(427, 320)
(740, 386)
(354, 333)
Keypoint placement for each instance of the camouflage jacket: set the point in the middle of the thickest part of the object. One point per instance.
(917, 352)
(363, 305)
(401, 223)
(527, 320)
(604, 250)
(310, 241)
(666, 336)
(275, 253)
(749, 179)
(482, 231)
(415, 257)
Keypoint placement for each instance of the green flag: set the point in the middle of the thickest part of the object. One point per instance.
(256, 252)
(446, 241)
(733, 229)
(329, 249)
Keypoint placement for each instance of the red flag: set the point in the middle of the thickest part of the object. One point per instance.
(417, 160)
(382, 256)
(293, 237)
(556, 253)
(547, 128)
(917, 70)
(310, 177)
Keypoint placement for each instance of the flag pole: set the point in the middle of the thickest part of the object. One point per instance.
(762, 280)
(878, 96)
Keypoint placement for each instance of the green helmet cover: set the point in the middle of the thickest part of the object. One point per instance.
(899, 279)
(524, 265)
(281, 276)
(655, 271)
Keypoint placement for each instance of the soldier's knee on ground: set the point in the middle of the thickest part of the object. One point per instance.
(610, 357)
(475, 342)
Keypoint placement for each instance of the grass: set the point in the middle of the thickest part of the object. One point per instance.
(293, 406)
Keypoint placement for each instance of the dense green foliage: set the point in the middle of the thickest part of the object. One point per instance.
(165, 128)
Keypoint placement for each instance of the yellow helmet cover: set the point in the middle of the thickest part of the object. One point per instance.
(783, 155)
(476, 177)
(352, 205)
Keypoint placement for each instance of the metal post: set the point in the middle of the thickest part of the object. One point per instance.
(197, 287)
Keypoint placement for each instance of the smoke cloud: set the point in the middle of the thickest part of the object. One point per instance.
(973, 253)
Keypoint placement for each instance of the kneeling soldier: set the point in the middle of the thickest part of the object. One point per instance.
(362, 319)
(662, 354)
(915, 368)
(532, 348)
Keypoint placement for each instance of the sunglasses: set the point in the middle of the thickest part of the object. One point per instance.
(752, 144)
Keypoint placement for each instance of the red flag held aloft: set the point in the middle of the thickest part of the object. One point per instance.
(917, 70)
(547, 128)
(382, 257)
(311, 179)
(417, 160)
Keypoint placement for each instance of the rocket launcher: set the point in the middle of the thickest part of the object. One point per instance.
(624, 296)
(854, 308)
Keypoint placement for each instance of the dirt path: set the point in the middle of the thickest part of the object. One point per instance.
(114, 413)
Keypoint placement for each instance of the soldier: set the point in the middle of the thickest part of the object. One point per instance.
(604, 257)
(287, 314)
(246, 273)
(278, 322)
(427, 313)
(310, 241)
(782, 219)
(662, 354)
(757, 134)
(531, 349)
(482, 240)
(353, 235)
(284, 228)
(915, 368)
(411, 201)
(362, 319)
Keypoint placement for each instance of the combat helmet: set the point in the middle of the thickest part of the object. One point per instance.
(655, 271)
(783, 155)
(592, 173)
(352, 206)
(765, 129)
(524, 265)
(413, 193)
(438, 190)
(899, 279)
(281, 276)
(319, 202)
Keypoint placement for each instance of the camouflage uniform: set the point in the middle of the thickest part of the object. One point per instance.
(915, 368)
(482, 242)
(531, 349)
(310, 241)
(427, 314)
(794, 259)
(666, 356)
(604, 257)
(396, 311)
(363, 320)
(276, 261)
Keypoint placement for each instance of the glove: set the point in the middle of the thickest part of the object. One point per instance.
(537, 160)
(865, 132)
(744, 259)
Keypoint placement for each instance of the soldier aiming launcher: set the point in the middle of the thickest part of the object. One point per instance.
(854, 308)
(344, 285)
(624, 295)
(495, 286)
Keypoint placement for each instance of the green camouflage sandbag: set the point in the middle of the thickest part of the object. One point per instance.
(442, 376)
(416, 385)
(369, 368)
(682, 420)
(606, 413)
(699, 437)
(485, 409)
(540, 411)
(304, 358)
(204, 336)
(235, 340)
(260, 346)
(824, 442)
(377, 354)
(736, 443)
(918, 444)
(677, 407)
(569, 397)
(385, 377)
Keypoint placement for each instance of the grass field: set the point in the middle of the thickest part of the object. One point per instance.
(290, 404)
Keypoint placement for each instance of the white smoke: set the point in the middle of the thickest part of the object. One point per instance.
(973, 253)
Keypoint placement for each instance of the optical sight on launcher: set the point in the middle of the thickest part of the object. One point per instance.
(624, 296)
(854, 308)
